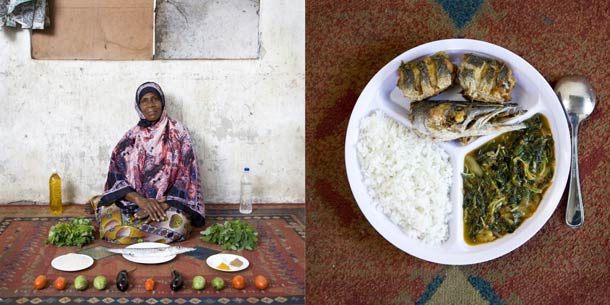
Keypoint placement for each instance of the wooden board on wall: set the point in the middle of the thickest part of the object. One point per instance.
(97, 29)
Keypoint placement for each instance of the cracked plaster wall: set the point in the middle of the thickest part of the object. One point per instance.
(68, 115)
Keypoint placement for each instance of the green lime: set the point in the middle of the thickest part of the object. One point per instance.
(100, 282)
(81, 282)
(218, 283)
(198, 282)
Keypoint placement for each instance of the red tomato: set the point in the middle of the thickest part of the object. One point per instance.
(149, 285)
(238, 282)
(40, 282)
(60, 283)
(260, 282)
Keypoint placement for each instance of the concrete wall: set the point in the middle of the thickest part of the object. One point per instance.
(68, 115)
(191, 29)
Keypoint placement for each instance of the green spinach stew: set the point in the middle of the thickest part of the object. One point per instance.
(505, 180)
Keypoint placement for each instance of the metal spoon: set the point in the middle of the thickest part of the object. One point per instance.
(578, 99)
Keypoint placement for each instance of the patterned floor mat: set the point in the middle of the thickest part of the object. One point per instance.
(279, 257)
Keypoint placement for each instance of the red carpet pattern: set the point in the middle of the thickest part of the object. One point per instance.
(279, 257)
(348, 262)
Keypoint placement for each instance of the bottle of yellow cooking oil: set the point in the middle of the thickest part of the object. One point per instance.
(55, 194)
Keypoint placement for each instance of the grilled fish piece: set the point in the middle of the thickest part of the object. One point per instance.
(485, 79)
(449, 120)
(425, 78)
(151, 252)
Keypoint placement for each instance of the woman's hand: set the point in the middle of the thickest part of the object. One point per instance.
(152, 207)
(142, 214)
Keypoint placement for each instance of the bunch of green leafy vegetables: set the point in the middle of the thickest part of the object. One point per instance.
(232, 235)
(505, 180)
(77, 232)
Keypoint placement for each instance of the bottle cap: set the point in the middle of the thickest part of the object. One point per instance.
(246, 169)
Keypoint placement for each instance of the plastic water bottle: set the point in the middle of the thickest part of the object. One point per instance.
(55, 194)
(245, 193)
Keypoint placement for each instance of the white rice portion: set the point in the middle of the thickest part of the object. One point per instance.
(408, 177)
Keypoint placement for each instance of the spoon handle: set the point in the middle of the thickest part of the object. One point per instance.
(575, 213)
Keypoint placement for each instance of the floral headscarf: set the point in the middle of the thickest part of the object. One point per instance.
(143, 89)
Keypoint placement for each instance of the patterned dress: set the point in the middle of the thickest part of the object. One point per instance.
(156, 160)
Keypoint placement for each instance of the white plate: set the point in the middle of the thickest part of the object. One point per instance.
(532, 92)
(215, 260)
(72, 262)
(149, 259)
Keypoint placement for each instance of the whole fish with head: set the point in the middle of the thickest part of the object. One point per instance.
(427, 77)
(151, 252)
(485, 79)
(450, 120)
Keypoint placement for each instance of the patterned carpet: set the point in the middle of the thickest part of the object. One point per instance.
(279, 257)
(348, 262)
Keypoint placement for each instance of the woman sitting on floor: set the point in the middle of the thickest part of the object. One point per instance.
(152, 191)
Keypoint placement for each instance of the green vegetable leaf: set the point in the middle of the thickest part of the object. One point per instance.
(77, 232)
(232, 235)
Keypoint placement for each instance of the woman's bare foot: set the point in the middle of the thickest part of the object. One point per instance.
(92, 204)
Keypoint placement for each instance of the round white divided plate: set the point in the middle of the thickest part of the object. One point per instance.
(215, 260)
(148, 259)
(532, 92)
(72, 262)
